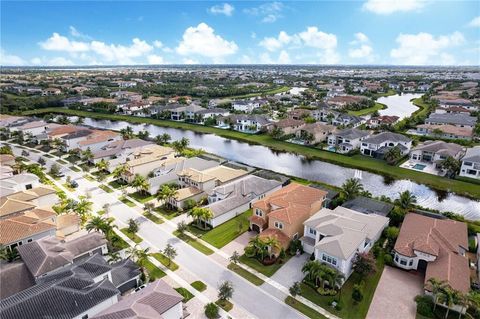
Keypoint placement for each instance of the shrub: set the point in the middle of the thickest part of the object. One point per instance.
(357, 293)
(326, 292)
(211, 310)
(250, 251)
(312, 257)
(424, 306)
(388, 260)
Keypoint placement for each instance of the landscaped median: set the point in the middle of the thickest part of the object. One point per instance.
(165, 261)
(357, 161)
(306, 310)
(134, 237)
(245, 274)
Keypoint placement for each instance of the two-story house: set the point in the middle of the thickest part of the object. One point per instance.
(344, 141)
(281, 214)
(377, 145)
(436, 151)
(335, 237)
(471, 163)
(459, 120)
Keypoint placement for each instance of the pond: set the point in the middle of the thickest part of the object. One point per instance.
(299, 166)
(399, 105)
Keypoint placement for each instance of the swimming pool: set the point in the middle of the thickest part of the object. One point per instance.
(419, 167)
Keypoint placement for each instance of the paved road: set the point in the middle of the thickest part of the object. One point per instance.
(265, 302)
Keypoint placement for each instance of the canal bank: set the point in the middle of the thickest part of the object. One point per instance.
(357, 161)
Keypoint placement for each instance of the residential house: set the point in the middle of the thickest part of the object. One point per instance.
(51, 91)
(234, 198)
(191, 113)
(341, 102)
(177, 111)
(50, 254)
(346, 120)
(377, 145)
(245, 123)
(445, 131)
(335, 237)
(436, 247)
(314, 133)
(471, 163)
(383, 120)
(436, 151)
(453, 110)
(32, 128)
(195, 184)
(211, 113)
(119, 150)
(366, 205)
(281, 214)
(146, 160)
(464, 103)
(346, 140)
(288, 126)
(459, 120)
(245, 105)
(18, 183)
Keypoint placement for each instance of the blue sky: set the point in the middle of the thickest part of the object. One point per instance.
(405, 32)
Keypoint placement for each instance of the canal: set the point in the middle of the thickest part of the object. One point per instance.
(299, 166)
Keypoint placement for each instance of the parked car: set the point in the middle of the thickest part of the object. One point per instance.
(74, 184)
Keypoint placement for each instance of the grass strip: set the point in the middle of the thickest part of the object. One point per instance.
(306, 310)
(187, 295)
(153, 218)
(199, 285)
(224, 304)
(194, 243)
(106, 188)
(245, 274)
(133, 237)
(164, 261)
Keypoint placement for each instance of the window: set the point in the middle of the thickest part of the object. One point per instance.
(278, 225)
(258, 212)
(329, 259)
(312, 231)
(411, 262)
(403, 262)
(396, 259)
(467, 163)
(28, 186)
(29, 240)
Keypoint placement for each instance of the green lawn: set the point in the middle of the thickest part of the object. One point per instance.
(245, 274)
(69, 187)
(89, 178)
(261, 268)
(127, 202)
(115, 184)
(167, 213)
(194, 243)
(199, 285)
(164, 261)
(142, 197)
(106, 188)
(356, 161)
(101, 212)
(153, 218)
(350, 309)
(224, 304)
(60, 161)
(306, 310)
(118, 243)
(73, 168)
(228, 231)
(73, 159)
(376, 107)
(48, 155)
(153, 271)
(133, 237)
(187, 295)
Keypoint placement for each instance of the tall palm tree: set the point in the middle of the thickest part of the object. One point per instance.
(95, 223)
(120, 170)
(448, 296)
(87, 154)
(127, 133)
(140, 183)
(351, 188)
(436, 286)
(406, 200)
(103, 165)
(272, 244)
(165, 193)
(139, 256)
(201, 213)
(312, 270)
(83, 208)
(392, 155)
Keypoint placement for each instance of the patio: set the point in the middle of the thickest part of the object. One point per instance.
(422, 166)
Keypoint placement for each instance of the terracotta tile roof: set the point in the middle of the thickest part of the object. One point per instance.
(98, 136)
(442, 238)
(20, 227)
(64, 129)
(291, 202)
(4, 158)
(283, 239)
(258, 220)
(448, 129)
(10, 206)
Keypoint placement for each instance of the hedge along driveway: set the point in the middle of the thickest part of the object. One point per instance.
(356, 161)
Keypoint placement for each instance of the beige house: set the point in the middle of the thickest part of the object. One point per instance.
(281, 214)
(314, 133)
(146, 160)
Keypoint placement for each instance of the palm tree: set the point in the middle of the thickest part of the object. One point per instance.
(163, 139)
(95, 223)
(451, 165)
(448, 296)
(473, 301)
(272, 244)
(392, 155)
(177, 147)
(258, 246)
(436, 286)
(351, 188)
(114, 257)
(170, 252)
(140, 183)
(127, 133)
(184, 142)
(406, 200)
(165, 193)
(102, 165)
(139, 256)
(120, 170)
(83, 208)
(87, 154)
(201, 213)
(312, 269)
(295, 290)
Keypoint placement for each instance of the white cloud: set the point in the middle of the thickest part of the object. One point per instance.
(312, 37)
(10, 60)
(390, 6)
(225, 9)
(273, 44)
(190, 61)
(363, 51)
(158, 44)
(475, 23)
(155, 59)
(203, 41)
(268, 12)
(425, 49)
(284, 58)
(119, 53)
(360, 38)
(59, 61)
(36, 61)
(329, 57)
(58, 42)
(75, 33)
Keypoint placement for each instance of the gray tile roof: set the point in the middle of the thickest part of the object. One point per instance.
(472, 154)
(14, 277)
(124, 271)
(351, 133)
(150, 302)
(459, 119)
(49, 253)
(65, 295)
(386, 136)
(440, 147)
(367, 205)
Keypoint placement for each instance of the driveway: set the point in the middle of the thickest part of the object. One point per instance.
(238, 244)
(291, 271)
(395, 293)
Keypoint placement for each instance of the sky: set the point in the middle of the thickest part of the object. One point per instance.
(362, 32)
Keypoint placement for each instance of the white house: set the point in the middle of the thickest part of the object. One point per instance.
(346, 140)
(336, 236)
(471, 163)
(18, 183)
(245, 105)
(377, 145)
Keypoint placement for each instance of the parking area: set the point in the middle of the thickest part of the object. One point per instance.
(238, 244)
(291, 271)
(395, 293)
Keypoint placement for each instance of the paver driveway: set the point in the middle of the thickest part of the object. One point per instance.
(395, 293)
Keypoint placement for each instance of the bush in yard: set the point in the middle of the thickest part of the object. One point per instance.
(211, 310)
(326, 291)
(357, 292)
(388, 260)
(424, 306)
(294, 246)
